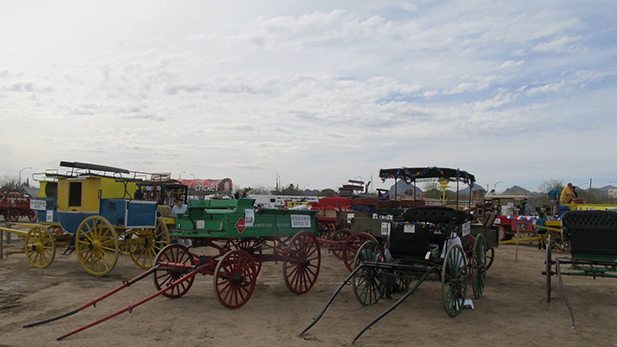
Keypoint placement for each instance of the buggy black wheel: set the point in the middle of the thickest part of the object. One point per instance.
(454, 281)
(478, 267)
(368, 284)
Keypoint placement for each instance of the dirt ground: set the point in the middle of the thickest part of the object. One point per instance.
(514, 311)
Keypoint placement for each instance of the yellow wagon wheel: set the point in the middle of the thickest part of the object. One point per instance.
(148, 244)
(96, 244)
(40, 247)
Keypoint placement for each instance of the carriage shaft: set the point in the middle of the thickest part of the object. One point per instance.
(141, 302)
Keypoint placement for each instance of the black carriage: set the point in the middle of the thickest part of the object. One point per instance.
(425, 241)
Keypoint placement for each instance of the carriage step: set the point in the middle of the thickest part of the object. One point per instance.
(69, 250)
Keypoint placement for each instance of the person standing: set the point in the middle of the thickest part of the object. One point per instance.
(553, 198)
(567, 194)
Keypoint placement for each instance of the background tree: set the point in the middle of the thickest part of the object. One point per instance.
(8, 183)
(327, 192)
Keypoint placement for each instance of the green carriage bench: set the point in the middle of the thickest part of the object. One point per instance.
(593, 239)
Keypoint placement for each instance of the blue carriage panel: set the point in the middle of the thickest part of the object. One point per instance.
(141, 214)
(50, 214)
(70, 221)
(114, 210)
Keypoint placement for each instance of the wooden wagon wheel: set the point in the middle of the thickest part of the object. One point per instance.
(490, 257)
(454, 281)
(12, 215)
(301, 262)
(40, 247)
(368, 283)
(96, 245)
(254, 247)
(177, 254)
(340, 236)
(478, 267)
(32, 216)
(235, 278)
(148, 243)
(351, 246)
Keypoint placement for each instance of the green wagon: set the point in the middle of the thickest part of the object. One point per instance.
(239, 239)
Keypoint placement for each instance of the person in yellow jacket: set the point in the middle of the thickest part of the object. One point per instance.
(567, 194)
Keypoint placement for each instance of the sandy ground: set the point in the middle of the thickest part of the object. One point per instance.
(513, 312)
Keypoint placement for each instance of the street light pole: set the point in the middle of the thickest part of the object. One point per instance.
(180, 177)
(495, 185)
(193, 176)
(19, 179)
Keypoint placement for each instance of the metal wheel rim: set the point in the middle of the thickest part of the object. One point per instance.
(96, 244)
(478, 265)
(173, 254)
(40, 247)
(454, 281)
(351, 246)
(235, 277)
(148, 244)
(299, 276)
(367, 283)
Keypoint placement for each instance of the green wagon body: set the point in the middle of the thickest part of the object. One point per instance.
(238, 219)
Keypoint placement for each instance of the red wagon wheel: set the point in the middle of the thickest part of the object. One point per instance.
(351, 246)
(340, 236)
(235, 278)
(490, 256)
(12, 215)
(32, 216)
(301, 263)
(254, 247)
(173, 254)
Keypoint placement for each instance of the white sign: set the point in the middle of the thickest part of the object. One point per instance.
(38, 205)
(497, 221)
(466, 228)
(201, 224)
(49, 217)
(385, 229)
(409, 228)
(249, 218)
(300, 221)
(350, 216)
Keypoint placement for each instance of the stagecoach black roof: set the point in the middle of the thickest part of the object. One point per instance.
(96, 167)
(418, 173)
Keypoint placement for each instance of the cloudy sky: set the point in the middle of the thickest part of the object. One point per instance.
(316, 92)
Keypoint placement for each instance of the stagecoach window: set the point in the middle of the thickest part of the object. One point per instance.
(51, 189)
(75, 194)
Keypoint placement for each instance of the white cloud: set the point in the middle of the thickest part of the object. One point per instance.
(251, 91)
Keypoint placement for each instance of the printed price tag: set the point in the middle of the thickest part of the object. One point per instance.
(497, 221)
(385, 229)
(300, 221)
(249, 218)
(409, 228)
(350, 216)
(201, 224)
(466, 228)
(38, 205)
(49, 217)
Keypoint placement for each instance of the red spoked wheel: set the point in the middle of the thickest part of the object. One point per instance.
(340, 236)
(490, 256)
(12, 215)
(32, 216)
(235, 278)
(173, 254)
(254, 247)
(351, 246)
(468, 243)
(301, 262)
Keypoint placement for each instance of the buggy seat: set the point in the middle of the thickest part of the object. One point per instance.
(414, 239)
(591, 232)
